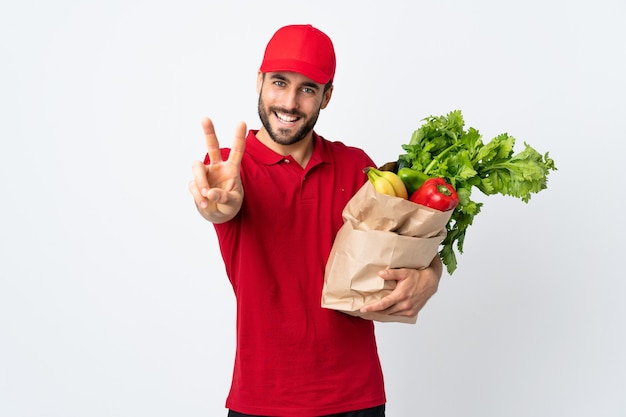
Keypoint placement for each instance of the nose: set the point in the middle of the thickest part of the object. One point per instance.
(290, 99)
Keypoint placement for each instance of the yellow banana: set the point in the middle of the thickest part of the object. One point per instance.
(385, 182)
(383, 186)
(397, 183)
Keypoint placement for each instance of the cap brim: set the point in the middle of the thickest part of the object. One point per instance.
(300, 67)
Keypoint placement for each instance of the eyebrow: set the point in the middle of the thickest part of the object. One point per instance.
(279, 76)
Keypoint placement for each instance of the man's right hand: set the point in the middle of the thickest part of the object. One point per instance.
(216, 187)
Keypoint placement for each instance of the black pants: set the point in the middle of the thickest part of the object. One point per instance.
(368, 412)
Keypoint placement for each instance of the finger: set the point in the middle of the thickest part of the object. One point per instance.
(380, 305)
(199, 177)
(393, 274)
(218, 196)
(197, 196)
(212, 145)
(392, 308)
(387, 301)
(239, 144)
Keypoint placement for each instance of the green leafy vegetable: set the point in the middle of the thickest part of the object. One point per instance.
(442, 147)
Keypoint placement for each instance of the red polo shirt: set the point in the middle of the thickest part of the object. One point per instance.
(293, 357)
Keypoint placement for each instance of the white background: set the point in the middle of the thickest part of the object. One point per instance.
(113, 298)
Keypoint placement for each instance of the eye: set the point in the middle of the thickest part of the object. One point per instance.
(279, 83)
(310, 88)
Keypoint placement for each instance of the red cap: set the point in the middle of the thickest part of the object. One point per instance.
(302, 49)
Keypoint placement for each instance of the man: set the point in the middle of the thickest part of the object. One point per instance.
(275, 199)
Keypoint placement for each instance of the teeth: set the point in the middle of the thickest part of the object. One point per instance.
(286, 117)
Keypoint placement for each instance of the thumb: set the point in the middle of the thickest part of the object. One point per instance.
(217, 196)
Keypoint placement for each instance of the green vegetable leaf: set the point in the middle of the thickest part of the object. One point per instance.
(442, 147)
(520, 175)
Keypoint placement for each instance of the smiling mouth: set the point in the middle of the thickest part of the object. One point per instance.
(286, 117)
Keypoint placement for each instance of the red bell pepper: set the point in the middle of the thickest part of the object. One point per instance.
(436, 193)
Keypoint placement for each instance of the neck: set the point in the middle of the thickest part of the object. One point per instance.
(300, 151)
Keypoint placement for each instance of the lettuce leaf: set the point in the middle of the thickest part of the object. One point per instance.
(442, 147)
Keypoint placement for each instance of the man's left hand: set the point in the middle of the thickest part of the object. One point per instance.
(414, 289)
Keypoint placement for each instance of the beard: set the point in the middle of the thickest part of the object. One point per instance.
(286, 136)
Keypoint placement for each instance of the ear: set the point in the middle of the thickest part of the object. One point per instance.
(259, 82)
(327, 95)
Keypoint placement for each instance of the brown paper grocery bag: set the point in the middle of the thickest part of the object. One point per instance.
(379, 231)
